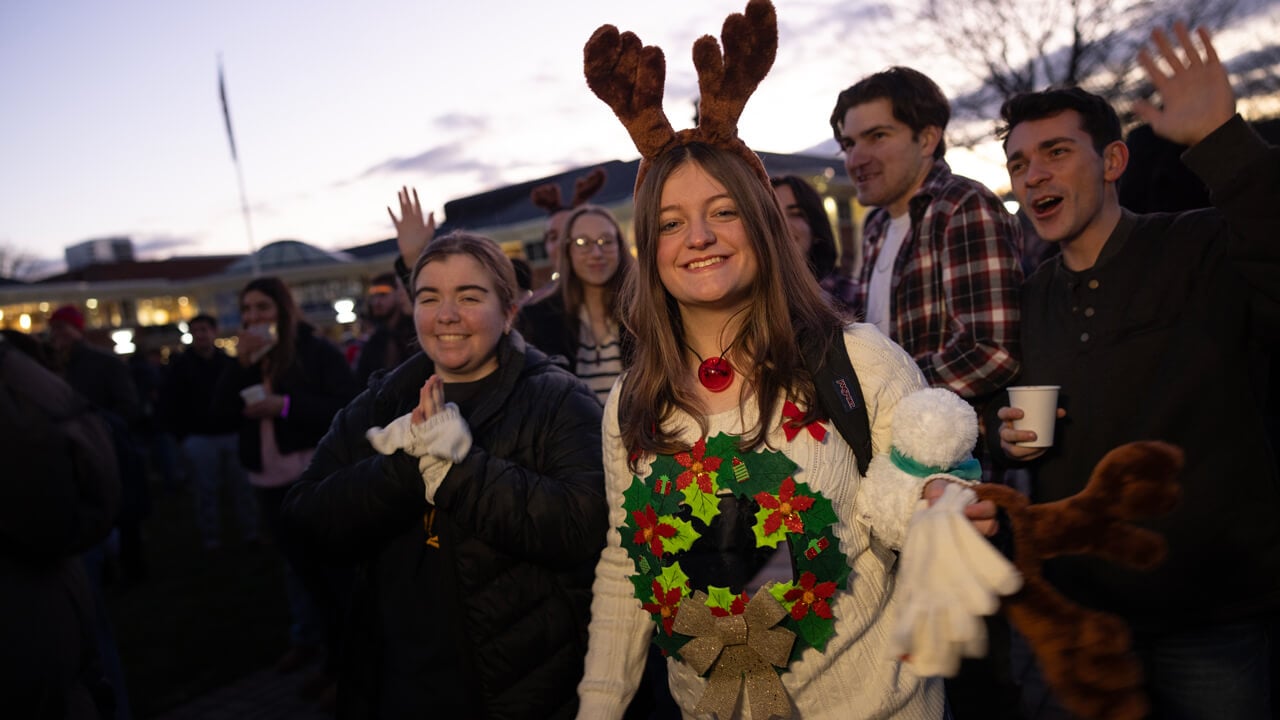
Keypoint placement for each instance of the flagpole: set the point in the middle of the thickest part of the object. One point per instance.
(235, 159)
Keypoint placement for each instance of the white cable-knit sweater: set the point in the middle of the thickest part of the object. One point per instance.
(854, 677)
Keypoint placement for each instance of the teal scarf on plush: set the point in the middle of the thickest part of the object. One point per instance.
(969, 469)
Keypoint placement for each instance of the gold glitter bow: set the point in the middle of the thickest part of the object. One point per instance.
(737, 647)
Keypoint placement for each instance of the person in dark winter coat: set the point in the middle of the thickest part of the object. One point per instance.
(286, 385)
(467, 484)
(58, 497)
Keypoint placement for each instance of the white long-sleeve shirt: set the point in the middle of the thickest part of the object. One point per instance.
(854, 677)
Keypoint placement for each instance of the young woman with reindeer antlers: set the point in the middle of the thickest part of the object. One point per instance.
(718, 468)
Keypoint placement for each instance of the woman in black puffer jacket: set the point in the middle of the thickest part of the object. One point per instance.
(475, 509)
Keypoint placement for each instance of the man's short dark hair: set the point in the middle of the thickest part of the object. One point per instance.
(386, 278)
(1097, 117)
(210, 320)
(917, 101)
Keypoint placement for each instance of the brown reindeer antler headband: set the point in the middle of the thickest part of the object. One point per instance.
(629, 78)
(547, 195)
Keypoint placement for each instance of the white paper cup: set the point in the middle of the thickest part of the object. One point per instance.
(254, 393)
(1039, 406)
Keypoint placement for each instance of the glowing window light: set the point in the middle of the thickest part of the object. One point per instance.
(345, 308)
(124, 342)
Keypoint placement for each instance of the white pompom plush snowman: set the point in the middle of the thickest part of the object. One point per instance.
(949, 576)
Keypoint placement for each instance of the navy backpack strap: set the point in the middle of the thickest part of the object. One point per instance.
(840, 396)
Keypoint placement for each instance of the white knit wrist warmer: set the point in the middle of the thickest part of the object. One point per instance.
(444, 435)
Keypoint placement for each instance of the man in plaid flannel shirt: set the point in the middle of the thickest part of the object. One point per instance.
(940, 272)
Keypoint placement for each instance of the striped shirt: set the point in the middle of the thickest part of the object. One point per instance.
(599, 361)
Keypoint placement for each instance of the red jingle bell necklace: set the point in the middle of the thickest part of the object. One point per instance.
(714, 373)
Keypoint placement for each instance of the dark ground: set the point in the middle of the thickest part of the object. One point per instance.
(200, 621)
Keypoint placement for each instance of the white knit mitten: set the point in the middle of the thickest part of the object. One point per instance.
(949, 578)
(444, 435)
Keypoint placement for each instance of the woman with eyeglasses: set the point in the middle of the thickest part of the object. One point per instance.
(581, 321)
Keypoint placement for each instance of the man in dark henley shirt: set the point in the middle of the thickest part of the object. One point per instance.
(1156, 327)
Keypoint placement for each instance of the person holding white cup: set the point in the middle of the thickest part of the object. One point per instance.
(1153, 325)
(1027, 425)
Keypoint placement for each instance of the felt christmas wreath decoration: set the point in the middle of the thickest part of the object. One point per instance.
(655, 536)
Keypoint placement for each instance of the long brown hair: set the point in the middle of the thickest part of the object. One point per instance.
(288, 318)
(787, 314)
(571, 285)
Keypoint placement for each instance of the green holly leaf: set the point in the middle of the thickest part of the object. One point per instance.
(828, 564)
(779, 592)
(815, 631)
(704, 506)
(766, 469)
(669, 503)
(720, 597)
(670, 644)
(685, 535)
(636, 496)
(671, 577)
(820, 515)
(665, 465)
(773, 538)
(643, 586)
(722, 446)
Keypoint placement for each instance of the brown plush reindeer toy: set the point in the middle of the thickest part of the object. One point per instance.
(1085, 654)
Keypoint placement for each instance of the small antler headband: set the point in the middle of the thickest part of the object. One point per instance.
(629, 77)
(547, 195)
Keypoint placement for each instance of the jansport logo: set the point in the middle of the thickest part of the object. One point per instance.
(846, 396)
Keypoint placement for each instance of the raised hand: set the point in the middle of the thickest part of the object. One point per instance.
(1195, 93)
(413, 233)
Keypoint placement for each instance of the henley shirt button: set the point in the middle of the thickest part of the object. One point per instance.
(1093, 284)
(1088, 312)
(1084, 337)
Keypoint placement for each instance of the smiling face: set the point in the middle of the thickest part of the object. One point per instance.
(593, 264)
(704, 256)
(797, 222)
(1063, 184)
(459, 317)
(257, 308)
(885, 160)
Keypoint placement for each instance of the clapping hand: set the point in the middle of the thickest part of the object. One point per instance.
(413, 232)
(1195, 93)
(430, 400)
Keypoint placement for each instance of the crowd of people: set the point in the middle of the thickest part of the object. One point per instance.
(551, 504)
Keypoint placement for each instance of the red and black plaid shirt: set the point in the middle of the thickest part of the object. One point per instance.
(954, 303)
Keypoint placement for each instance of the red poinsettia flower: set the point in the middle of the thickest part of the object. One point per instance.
(808, 596)
(699, 467)
(664, 604)
(737, 607)
(786, 507)
(651, 531)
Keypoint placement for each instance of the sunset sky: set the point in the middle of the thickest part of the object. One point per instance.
(111, 124)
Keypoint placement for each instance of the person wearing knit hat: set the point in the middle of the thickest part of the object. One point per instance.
(70, 315)
(94, 373)
(101, 377)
